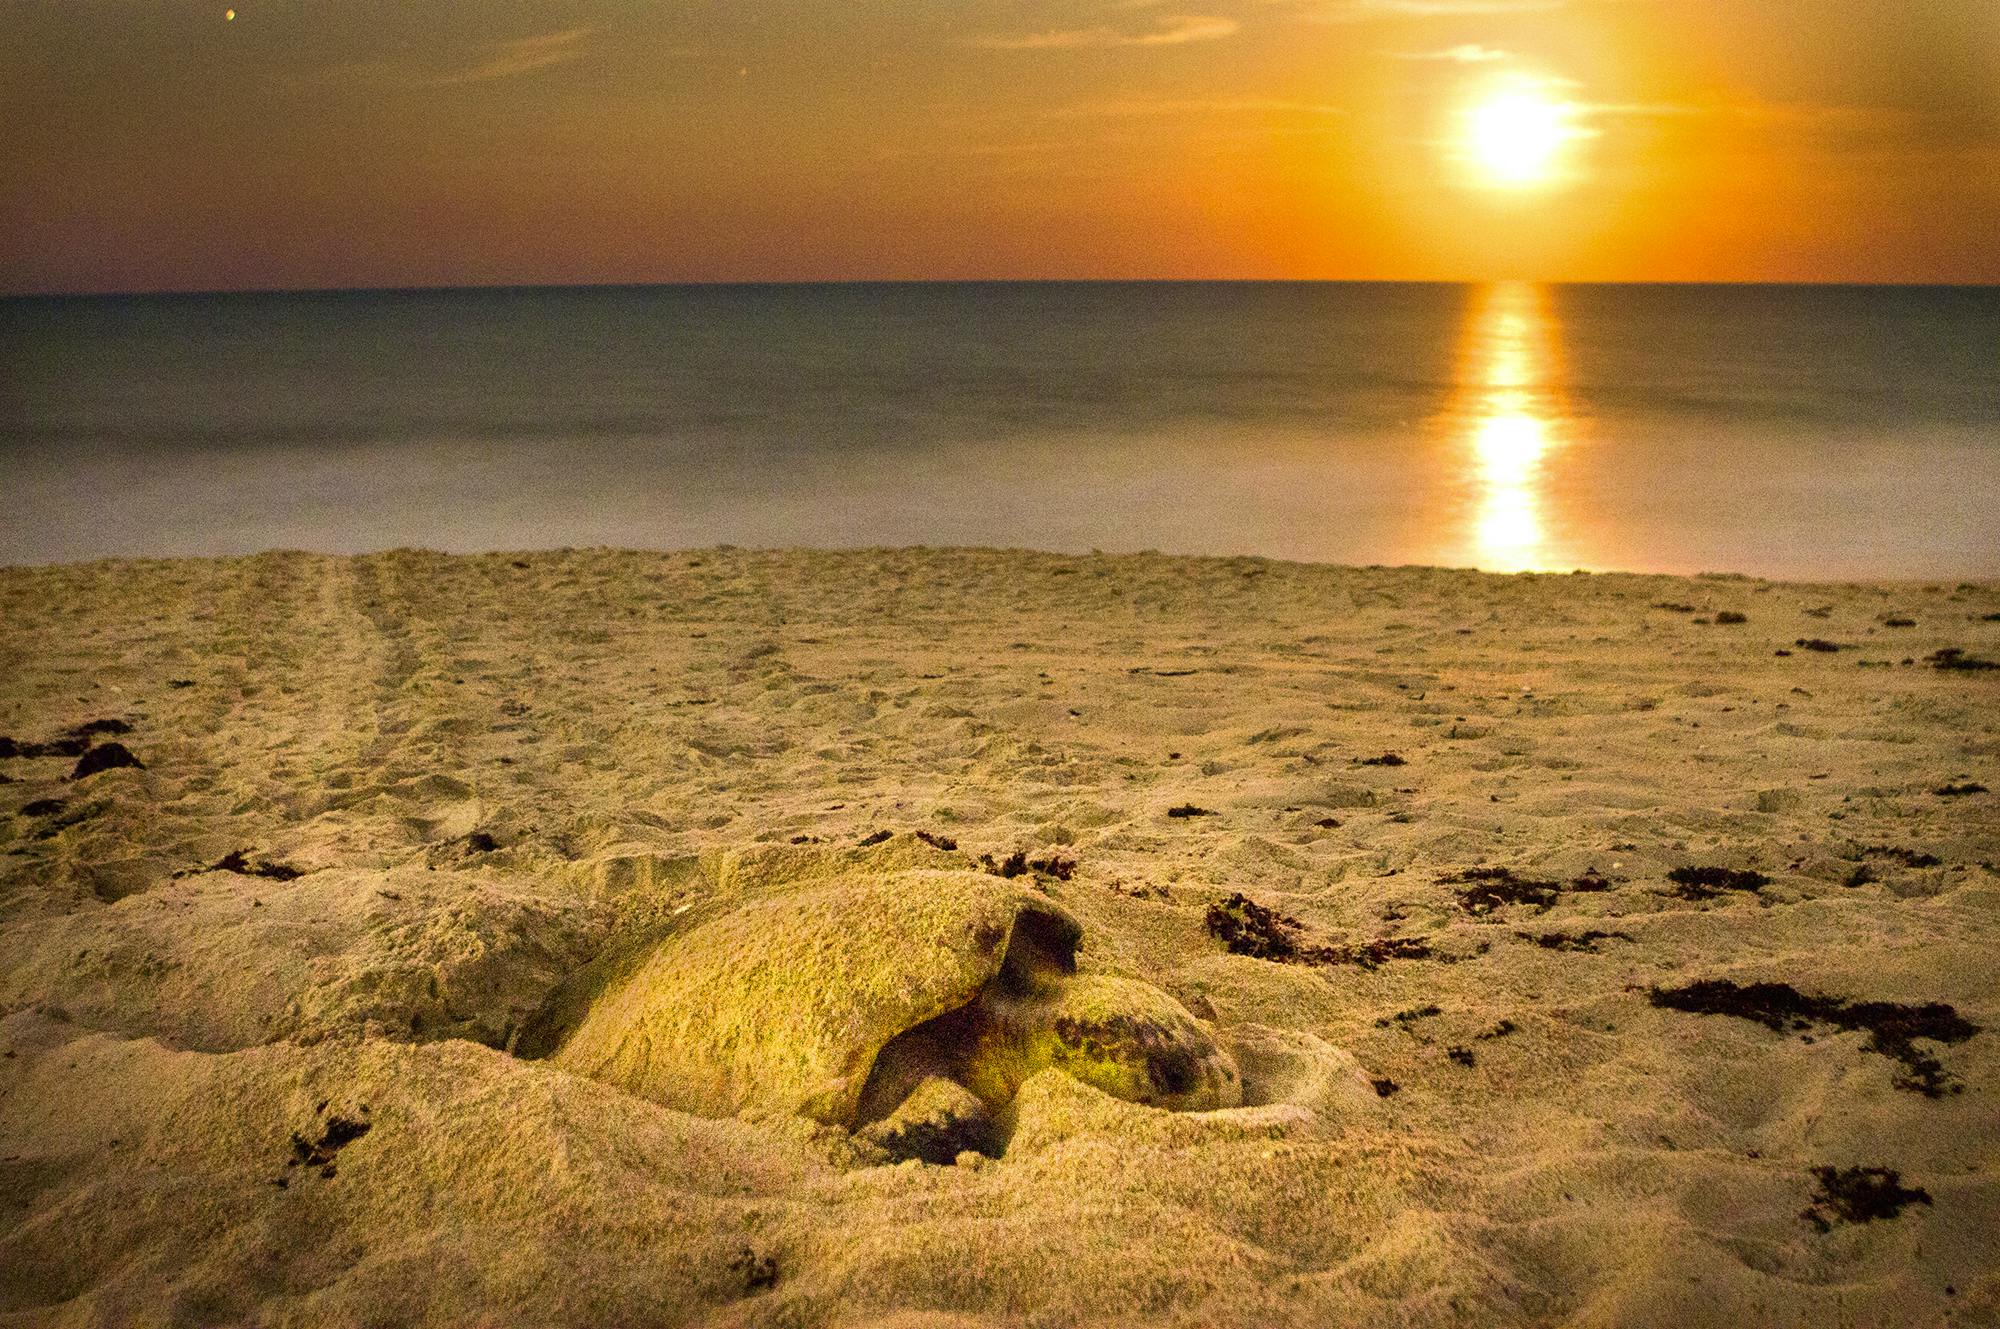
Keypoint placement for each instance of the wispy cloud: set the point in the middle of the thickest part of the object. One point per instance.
(521, 56)
(1360, 11)
(494, 60)
(1466, 53)
(1192, 106)
(1178, 30)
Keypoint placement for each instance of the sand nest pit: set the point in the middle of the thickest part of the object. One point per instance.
(909, 1008)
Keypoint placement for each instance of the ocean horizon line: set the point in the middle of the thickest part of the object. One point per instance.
(169, 293)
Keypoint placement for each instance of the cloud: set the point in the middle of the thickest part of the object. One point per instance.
(1360, 11)
(1173, 31)
(1466, 53)
(489, 61)
(521, 56)
(1194, 106)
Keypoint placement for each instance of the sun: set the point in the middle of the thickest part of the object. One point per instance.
(1515, 135)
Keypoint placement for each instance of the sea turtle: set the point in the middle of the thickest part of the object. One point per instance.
(837, 1001)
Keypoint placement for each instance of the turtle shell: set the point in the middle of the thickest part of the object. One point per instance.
(783, 1003)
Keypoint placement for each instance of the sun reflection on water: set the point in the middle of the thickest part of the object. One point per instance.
(1508, 416)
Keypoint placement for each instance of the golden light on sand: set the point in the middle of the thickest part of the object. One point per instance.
(1515, 135)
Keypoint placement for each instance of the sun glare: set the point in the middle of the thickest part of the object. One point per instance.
(1516, 134)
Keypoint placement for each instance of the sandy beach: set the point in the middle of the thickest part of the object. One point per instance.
(1593, 949)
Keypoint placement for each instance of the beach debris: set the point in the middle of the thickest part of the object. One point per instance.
(1245, 927)
(105, 757)
(1189, 810)
(1859, 1195)
(1585, 941)
(338, 1133)
(1410, 1016)
(70, 743)
(1909, 858)
(238, 862)
(840, 1001)
(1488, 889)
(1955, 658)
(1959, 790)
(757, 1273)
(1708, 883)
(1018, 864)
(1892, 1026)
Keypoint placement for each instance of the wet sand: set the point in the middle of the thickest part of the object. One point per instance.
(1581, 951)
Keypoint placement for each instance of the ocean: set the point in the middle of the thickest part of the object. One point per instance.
(1789, 431)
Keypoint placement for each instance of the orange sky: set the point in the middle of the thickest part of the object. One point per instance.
(150, 144)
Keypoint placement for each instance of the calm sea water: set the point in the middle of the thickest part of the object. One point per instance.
(1787, 431)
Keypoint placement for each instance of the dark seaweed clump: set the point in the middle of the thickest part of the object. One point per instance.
(1958, 790)
(1386, 759)
(1410, 1016)
(877, 838)
(1893, 1027)
(1189, 810)
(1707, 883)
(944, 842)
(1490, 888)
(1574, 941)
(238, 862)
(105, 757)
(1909, 858)
(1731, 617)
(1019, 864)
(756, 1272)
(1817, 644)
(69, 743)
(1859, 1195)
(338, 1134)
(1245, 927)
(1952, 657)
